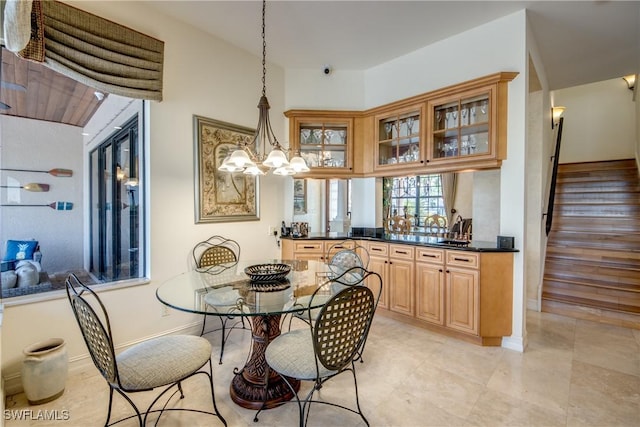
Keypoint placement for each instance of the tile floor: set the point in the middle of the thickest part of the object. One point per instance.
(573, 373)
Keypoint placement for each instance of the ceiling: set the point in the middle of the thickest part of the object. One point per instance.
(579, 41)
(33, 91)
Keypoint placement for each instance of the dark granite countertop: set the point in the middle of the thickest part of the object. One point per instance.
(411, 239)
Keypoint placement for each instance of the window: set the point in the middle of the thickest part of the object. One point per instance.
(414, 197)
(116, 214)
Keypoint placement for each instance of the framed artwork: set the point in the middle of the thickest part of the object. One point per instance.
(221, 196)
(299, 196)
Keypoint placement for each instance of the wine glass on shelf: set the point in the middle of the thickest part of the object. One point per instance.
(328, 134)
(472, 143)
(463, 117)
(447, 118)
(304, 135)
(342, 134)
(388, 126)
(438, 118)
(409, 122)
(454, 116)
(317, 136)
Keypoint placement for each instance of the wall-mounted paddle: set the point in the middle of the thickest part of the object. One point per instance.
(58, 206)
(32, 186)
(55, 172)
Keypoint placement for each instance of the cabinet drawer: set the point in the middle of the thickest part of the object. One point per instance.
(430, 255)
(309, 246)
(463, 259)
(378, 249)
(401, 251)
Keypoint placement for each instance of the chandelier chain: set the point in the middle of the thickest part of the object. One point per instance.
(264, 50)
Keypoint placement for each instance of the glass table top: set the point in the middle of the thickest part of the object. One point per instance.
(227, 289)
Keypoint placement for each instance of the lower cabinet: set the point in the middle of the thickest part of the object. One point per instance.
(401, 279)
(430, 295)
(461, 293)
(462, 296)
(379, 263)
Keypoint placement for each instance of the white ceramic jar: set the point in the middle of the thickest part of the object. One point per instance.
(44, 370)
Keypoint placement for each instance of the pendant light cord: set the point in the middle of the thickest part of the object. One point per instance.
(264, 51)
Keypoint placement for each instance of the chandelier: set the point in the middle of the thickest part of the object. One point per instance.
(251, 157)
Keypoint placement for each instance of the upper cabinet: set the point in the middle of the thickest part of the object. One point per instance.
(398, 139)
(324, 140)
(458, 127)
(467, 124)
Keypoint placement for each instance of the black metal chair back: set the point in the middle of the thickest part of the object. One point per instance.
(96, 334)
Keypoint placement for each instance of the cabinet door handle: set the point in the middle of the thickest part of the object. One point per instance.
(440, 270)
(401, 252)
(448, 271)
(376, 249)
(429, 255)
(308, 247)
(462, 259)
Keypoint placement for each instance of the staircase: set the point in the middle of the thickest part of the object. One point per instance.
(592, 268)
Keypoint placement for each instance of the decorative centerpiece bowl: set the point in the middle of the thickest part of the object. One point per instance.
(267, 272)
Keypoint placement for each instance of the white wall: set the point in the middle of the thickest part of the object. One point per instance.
(203, 76)
(599, 122)
(38, 145)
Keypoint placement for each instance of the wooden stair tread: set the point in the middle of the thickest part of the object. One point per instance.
(626, 287)
(591, 303)
(621, 264)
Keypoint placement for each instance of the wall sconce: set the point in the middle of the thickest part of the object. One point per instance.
(631, 81)
(556, 113)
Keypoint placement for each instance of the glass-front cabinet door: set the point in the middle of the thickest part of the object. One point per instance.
(325, 143)
(398, 137)
(462, 127)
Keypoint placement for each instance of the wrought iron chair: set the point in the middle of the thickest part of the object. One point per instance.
(159, 362)
(213, 256)
(340, 256)
(332, 343)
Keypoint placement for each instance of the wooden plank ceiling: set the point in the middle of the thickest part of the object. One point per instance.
(33, 91)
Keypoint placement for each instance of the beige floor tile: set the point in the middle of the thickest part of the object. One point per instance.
(413, 377)
(603, 397)
(499, 409)
(607, 346)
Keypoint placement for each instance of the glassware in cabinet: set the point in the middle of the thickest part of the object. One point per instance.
(460, 127)
(324, 145)
(398, 138)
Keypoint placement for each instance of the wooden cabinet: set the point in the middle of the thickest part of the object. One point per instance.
(401, 279)
(462, 293)
(453, 128)
(324, 140)
(398, 139)
(379, 263)
(462, 298)
(467, 124)
(430, 296)
(313, 249)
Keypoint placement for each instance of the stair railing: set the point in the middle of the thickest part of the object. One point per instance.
(554, 176)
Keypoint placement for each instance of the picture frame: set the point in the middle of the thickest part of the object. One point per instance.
(221, 196)
(299, 196)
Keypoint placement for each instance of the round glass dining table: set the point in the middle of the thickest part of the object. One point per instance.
(229, 291)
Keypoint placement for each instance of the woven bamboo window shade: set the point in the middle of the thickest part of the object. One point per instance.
(95, 51)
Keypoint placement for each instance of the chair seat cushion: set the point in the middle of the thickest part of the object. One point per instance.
(292, 355)
(161, 361)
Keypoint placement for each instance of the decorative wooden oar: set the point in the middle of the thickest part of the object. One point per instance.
(32, 186)
(55, 172)
(59, 206)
